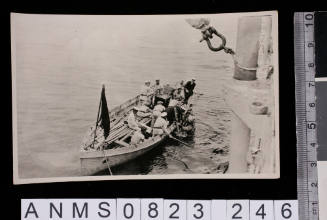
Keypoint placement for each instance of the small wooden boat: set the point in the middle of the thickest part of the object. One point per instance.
(116, 148)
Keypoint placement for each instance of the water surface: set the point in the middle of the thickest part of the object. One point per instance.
(62, 61)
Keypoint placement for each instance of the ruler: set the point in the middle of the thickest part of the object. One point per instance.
(307, 178)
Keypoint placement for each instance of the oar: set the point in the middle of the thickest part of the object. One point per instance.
(180, 141)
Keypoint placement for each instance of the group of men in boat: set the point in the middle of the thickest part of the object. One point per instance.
(165, 105)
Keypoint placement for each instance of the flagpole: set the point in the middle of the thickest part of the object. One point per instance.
(96, 125)
(96, 122)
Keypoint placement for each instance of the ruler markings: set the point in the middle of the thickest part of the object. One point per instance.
(306, 115)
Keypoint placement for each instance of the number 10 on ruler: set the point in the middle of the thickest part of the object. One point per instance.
(158, 209)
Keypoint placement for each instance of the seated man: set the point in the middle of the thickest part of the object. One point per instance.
(160, 124)
(137, 138)
(144, 111)
(159, 107)
(133, 123)
(157, 88)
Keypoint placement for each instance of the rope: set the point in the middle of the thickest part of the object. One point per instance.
(107, 162)
(242, 67)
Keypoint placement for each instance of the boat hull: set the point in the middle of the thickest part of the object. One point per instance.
(95, 161)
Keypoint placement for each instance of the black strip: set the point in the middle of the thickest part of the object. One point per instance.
(321, 43)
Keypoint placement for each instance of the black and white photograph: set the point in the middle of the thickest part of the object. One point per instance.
(111, 97)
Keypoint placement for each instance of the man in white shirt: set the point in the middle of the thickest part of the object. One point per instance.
(144, 111)
(160, 124)
(133, 123)
(146, 92)
(159, 107)
(137, 138)
(157, 88)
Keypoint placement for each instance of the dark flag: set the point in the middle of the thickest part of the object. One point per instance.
(103, 119)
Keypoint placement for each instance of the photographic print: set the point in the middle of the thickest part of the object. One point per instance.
(107, 97)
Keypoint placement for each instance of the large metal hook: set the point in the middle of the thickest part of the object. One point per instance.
(207, 34)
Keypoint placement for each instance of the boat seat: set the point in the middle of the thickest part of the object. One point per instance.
(127, 135)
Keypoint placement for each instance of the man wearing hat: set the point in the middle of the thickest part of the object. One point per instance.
(131, 121)
(157, 88)
(158, 91)
(159, 107)
(146, 92)
(160, 124)
(188, 89)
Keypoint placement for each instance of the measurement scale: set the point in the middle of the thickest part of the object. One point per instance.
(307, 178)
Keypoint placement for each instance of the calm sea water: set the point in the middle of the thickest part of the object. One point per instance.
(61, 62)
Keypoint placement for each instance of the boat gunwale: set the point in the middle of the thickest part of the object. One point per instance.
(115, 111)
